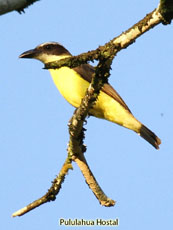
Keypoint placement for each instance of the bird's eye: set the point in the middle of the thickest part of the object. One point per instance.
(48, 47)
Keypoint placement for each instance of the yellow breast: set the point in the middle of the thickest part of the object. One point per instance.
(73, 87)
(70, 85)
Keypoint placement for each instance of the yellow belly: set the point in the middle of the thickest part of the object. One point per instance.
(73, 89)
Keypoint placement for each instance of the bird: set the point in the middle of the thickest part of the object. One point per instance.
(73, 83)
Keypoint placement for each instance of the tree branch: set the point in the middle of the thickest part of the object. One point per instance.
(76, 147)
(105, 55)
(166, 10)
(91, 181)
(116, 44)
(52, 192)
(18, 5)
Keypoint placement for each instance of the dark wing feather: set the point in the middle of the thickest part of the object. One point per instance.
(86, 71)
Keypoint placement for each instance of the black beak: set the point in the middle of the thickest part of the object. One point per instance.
(29, 54)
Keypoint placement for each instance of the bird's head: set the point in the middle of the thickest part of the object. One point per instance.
(47, 52)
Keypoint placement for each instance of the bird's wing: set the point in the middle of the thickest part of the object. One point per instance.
(86, 71)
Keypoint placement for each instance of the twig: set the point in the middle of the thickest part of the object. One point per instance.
(52, 192)
(92, 183)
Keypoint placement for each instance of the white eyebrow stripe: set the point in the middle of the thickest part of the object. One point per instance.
(49, 43)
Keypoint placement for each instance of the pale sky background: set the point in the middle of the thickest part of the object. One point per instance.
(34, 117)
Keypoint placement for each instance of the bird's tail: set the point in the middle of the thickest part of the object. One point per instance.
(149, 136)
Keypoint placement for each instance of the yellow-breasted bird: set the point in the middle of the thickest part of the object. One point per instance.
(73, 82)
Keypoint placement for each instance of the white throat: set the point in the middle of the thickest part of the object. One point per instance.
(45, 58)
